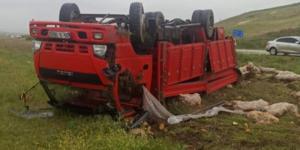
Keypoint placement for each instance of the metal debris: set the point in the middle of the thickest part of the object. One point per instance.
(33, 114)
(210, 113)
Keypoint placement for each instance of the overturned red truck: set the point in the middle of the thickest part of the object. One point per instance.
(102, 61)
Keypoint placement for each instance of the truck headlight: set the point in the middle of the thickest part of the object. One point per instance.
(34, 32)
(36, 45)
(100, 50)
(98, 36)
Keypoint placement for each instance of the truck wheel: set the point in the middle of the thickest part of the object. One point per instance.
(69, 12)
(136, 22)
(273, 51)
(206, 19)
(154, 29)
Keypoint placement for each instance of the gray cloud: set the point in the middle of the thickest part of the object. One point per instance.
(15, 14)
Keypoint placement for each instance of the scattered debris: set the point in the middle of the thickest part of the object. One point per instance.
(162, 126)
(144, 130)
(138, 120)
(268, 70)
(251, 69)
(247, 128)
(191, 99)
(248, 106)
(204, 130)
(262, 117)
(235, 123)
(157, 110)
(287, 76)
(230, 86)
(279, 109)
(154, 107)
(138, 132)
(258, 110)
(296, 94)
(33, 114)
(262, 112)
(210, 113)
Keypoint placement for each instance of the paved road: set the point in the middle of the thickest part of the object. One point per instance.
(252, 51)
(262, 52)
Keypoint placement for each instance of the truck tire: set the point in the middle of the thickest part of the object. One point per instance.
(69, 12)
(206, 19)
(136, 22)
(154, 27)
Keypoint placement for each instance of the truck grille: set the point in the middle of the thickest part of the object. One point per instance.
(83, 49)
(70, 76)
(48, 46)
(66, 47)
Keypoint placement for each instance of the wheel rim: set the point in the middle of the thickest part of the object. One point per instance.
(142, 26)
(273, 51)
(210, 26)
(74, 15)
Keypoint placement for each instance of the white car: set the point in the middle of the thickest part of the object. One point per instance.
(286, 45)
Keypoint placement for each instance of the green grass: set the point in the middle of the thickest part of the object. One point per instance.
(72, 131)
(264, 25)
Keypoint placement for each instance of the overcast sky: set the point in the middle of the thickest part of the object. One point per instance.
(15, 14)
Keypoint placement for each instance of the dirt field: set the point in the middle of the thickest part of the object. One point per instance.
(72, 131)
